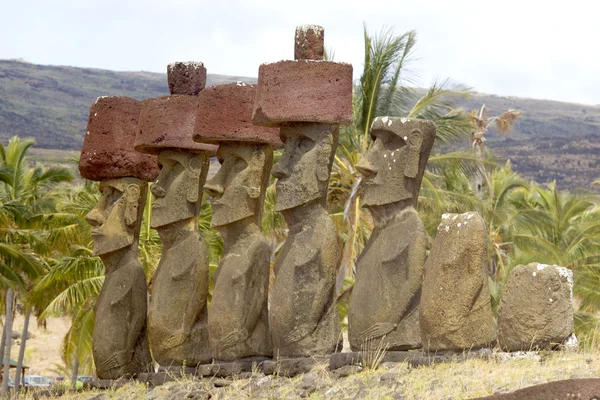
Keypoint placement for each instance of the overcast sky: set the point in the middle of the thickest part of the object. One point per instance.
(539, 49)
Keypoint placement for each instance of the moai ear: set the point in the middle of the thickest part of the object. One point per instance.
(256, 165)
(415, 139)
(193, 172)
(324, 157)
(132, 196)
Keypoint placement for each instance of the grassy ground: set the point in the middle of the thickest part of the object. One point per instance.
(470, 379)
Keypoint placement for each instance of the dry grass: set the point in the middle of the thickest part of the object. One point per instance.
(469, 379)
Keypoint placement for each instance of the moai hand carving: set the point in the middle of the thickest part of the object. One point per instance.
(177, 318)
(238, 322)
(456, 313)
(307, 99)
(119, 342)
(384, 307)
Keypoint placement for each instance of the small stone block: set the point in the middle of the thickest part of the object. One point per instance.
(107, 151)
(290, 367)
(303, 91)
(224, 113)
(187, 78)
(309, 43)
(168, 122)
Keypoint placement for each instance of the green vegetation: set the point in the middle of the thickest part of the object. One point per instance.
(45, 243)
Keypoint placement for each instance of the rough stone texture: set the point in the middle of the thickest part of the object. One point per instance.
(303, 91)
(224, 113)
(290, 367)
(536, 311)
(238, 323)
(187, 78)
(456, 313)
(384, 308)
(177, 318)
(226, 369)
(567, 389)
(107, 151)
(412, 358)
(120, 341)
(304, 320)
(309, 43)
(168, 122)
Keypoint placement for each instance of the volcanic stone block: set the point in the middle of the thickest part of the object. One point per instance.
(168, 122)
(188, 78)
(456, 313)
(303, 91)
(107, 151)
(309, 42)
(536, 309)
(224, 113)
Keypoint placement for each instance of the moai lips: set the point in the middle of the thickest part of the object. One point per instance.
(304, 90)
(238, 321)
(308, 99)
(108, 151)
(177, 317)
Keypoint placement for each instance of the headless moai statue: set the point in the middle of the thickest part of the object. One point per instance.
(384, 307)
(307, 99)
(456, 312)
(238, 319)
(177, 318)
(120, 341)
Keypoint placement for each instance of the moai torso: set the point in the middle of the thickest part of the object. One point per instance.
(177, 317)
(120, 341)
(238, 320)
(383, 312)
(307, 99)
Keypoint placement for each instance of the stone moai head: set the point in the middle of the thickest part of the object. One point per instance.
(165, 129)
(394, 166)
(308, 99)
(108, 156)
(245, 152)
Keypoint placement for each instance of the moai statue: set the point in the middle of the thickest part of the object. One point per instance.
(456, 312)
(384, 308)
(120, 341)
(177, 318)
(238, 319)
(307, 99)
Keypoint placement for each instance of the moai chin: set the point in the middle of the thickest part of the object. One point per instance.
(120, 340)
(307, 99)
(384, 307)
(238, 320)
(177, 317)
(456, 312)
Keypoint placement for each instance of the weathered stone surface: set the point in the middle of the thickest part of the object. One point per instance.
(384, 308)
(238, 322)
(304, 320)
(120, 342)
(456, 312)
(226, 369)
(291, 367)
(536, 310)
(224, 113)
(107, 151)
(168, 122)
(177, 316)
(309, 43)
(567, 389)
(303, 91)
(187, 78)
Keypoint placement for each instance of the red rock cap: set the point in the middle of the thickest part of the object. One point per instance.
(107, 151)
(167, 123)
(225, 114)
(186, 77)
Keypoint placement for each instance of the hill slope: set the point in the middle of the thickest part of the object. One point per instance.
(552, 140)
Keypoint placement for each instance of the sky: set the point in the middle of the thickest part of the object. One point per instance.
(527, 48)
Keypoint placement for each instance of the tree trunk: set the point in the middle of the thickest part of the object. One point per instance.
(75, 371)
(22, 351)
(8, 338)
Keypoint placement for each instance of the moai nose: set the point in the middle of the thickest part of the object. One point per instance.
(94, 218)
(278, 170)
(157, 190)
(213, 189)
(365, 168)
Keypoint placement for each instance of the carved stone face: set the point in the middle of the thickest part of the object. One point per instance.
(114, 220)
(303, 170)
(176, 191)
(237, 190)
